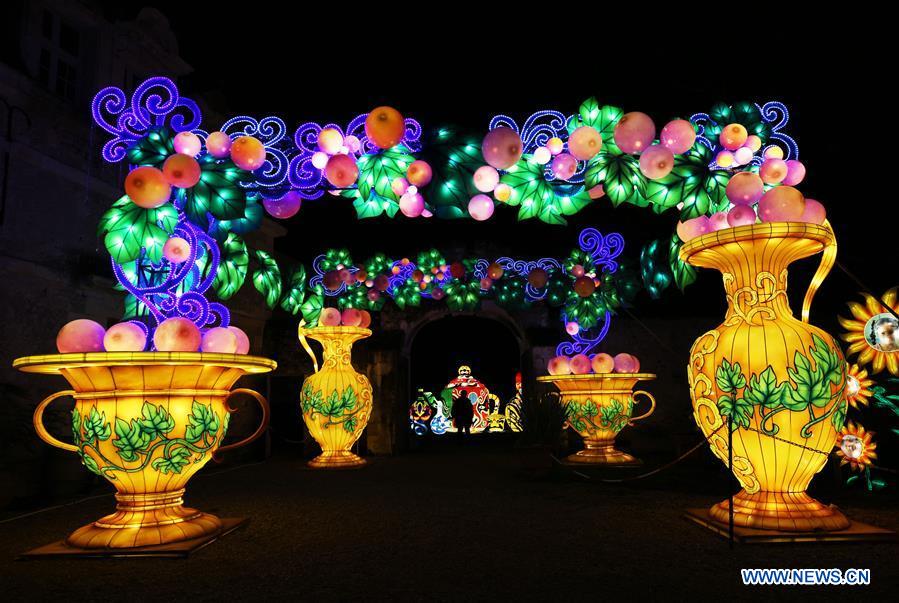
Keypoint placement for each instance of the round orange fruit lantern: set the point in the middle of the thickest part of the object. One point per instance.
(385, 127)
(248, 153)
(779, 380)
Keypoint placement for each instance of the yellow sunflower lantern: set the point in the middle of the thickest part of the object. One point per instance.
(873, 332)
(858, 386)
(855, 447)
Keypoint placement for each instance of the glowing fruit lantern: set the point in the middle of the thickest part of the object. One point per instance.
(243, 342)
(559, 366)
(457, 270)
(584, 286)
(365, 319)
(741, 215)
(584, 143)
(485, 178)
(743, 155)
(733, 136)
(542, 155)
(399, 186)
(724, 159)
(693, 228)
(603, 363)
(753, 142)
(419, 173)
(626, 363)
(502, 148)
(555, 145)
(351, 317)
(572, 328)
(125, 337)
(81, 335)
(495, 271)
(634, 132)
(176, 250)
(147, 187)
(352, 143)
(181, 170)
(247, 153)
(332, 281)
(773, 152)
(341, 171)
(795, 172)
(718, 220)
(564, 166)
(656, 162)
(385, 127)
(778, 380)
(285, 207)
(412, 204)
(177, 334)
(187, 143)
(678, 136)
(814, 212)
(330, 140)
(329, 317)
(219, 340)
(218, 144)
(486, 283)
(580, 364)
(480, 207)
(502, 192)
(537, 278)
(781, 204)
(744, 188)
(773, 171)
(320, 160)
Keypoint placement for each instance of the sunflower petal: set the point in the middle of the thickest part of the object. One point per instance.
(859, 311)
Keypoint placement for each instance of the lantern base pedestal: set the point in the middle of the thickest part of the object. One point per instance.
(146, 520)
(602, 453)
(782, 511)
(856, 532)
(180, 550)
(339, 459)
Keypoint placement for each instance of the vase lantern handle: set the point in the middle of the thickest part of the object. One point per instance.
(828, 257)
(305, 343)
(263, 403)
(652, 407)
(38, 419)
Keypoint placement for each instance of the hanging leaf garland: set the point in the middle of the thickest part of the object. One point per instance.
(377, 171)
(267, 278)
(454, 164)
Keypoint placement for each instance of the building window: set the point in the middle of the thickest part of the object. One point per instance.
(59, 56)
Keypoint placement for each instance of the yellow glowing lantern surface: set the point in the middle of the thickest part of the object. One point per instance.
(336, 400)
(780, 379)
(598, 406)
(147, 422)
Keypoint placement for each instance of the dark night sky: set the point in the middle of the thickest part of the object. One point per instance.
(321, 67)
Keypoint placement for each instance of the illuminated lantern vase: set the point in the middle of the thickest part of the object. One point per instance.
(336, 400)
(598, 406)
(147, 422)
(781, 380)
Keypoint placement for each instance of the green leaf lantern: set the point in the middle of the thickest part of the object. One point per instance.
(684, 274)
(295, 294)
(312, 307)
(407, 294)
(152, 149)
(129, 228)
(218, 193)
(454, 164)
(377, 171)
(654, 268)
(335, 259)
(267, 278)
(232, 269)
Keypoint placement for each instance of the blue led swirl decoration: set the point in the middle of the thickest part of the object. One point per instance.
(271, 132)
(774, 113)
(538, 128)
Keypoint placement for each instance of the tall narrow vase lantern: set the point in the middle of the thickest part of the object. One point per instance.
(779, 379)
(336, 400)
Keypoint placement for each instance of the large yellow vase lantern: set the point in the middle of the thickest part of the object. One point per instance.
(147, 422)
(336, 400)
(780, 379)
(598, 406)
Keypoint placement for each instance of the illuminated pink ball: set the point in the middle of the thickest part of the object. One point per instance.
(814, 212)
(502, 148)
(320, 159)
(564, 166)
(559, 365)
(718, 220)
(176, 250)
(285, 207)
(555, 145)
(365, 319)
(486, 283)
(219, 340)
(753, 142)
(218, 144)
(412, 204)
(741, 215)
(773, 152)
(485, 178)
(634, 132)
(577, 270)
(341, 171)
(580, 364)
(626, 363)
(603, 363)
(584, 143)
(243, 342)
(542, 155)
(744, 188)
(724, 159)
(125, 337)
(399, 186)
(351, 317)
(419, 173)
(773, 171)
(480, 207)
(695, 227)
(678, 136)
(743, 155)
(81, 335)
(572, 328)
(656, 162)
(329, 317)
(187, 143)
(353, 144)
(177, 334)
(781, 204)
(330, 140)
(502, 192)
(795, 172)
